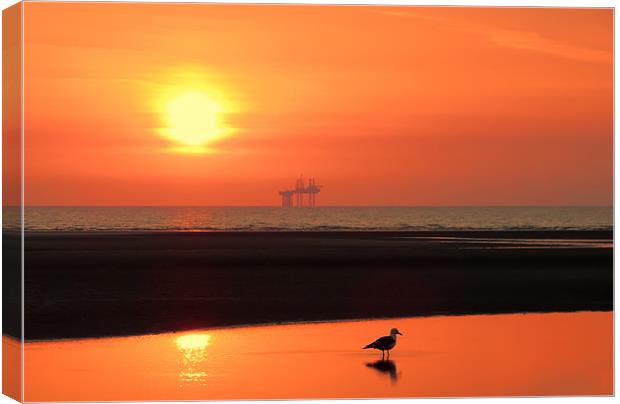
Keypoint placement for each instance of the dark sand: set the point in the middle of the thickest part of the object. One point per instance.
(93, 284)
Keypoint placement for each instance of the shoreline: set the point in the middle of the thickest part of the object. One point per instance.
(305, 322)
(88, 285)
(603, 233)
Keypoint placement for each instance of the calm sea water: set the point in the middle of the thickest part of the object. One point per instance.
(313, 219)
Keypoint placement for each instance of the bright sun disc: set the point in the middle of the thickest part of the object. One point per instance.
(193, 119)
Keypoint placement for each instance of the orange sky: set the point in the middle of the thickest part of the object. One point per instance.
(383, 105)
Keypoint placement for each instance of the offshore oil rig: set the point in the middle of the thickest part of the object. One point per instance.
(297, 194)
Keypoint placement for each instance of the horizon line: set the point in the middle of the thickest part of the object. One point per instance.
(325, 206)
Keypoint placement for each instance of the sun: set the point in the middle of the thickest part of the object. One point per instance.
(195, 108)
(193, 120)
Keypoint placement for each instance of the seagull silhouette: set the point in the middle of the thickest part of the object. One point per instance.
(385, 343)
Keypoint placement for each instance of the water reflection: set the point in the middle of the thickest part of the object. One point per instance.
(386, 367)
(193, 348)
(450, 356)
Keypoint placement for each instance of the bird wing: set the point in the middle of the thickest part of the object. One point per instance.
(382, 342)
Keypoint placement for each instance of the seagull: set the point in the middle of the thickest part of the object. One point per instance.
(385, 343)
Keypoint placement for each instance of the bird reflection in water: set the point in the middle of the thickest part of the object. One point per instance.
(386, 367)
(193, 348)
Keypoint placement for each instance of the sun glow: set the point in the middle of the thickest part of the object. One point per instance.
(194, 120)
(194, 112)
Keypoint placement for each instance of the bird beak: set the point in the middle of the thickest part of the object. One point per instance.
(399, 333)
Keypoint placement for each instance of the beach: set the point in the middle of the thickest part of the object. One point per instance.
(554, 354)
(211, 201)
(95, 284)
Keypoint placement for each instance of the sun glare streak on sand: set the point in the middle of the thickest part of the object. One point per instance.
(488, 355)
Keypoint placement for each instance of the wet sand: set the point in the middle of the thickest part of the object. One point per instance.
(486, 355)
(93, 284)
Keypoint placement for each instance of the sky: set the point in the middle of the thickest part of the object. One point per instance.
(196, 104)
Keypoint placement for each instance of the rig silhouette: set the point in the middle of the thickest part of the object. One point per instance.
(295, 197)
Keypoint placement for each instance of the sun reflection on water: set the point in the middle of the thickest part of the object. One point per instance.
(193, 348)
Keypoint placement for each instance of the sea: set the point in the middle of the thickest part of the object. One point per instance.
(186, 218)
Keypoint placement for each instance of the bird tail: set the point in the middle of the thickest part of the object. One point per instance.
(369, 346)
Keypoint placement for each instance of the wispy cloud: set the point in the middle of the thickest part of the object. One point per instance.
(523, 40)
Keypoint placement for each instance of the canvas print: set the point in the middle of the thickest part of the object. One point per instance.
(252, 201)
